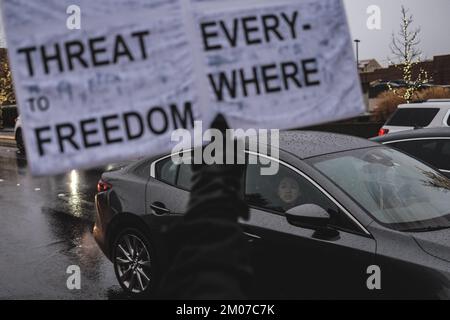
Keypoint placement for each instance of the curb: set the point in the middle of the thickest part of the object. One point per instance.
(7, 144)
(11, 138)
(7, 141)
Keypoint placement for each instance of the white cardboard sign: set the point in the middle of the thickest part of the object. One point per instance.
(137, 70)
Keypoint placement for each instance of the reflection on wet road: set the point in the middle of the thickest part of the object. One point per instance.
(45, 227)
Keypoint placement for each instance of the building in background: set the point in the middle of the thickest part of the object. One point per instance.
(369, 65)
(374, 80)
(438, 70)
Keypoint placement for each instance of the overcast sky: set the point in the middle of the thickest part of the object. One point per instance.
(431, 15)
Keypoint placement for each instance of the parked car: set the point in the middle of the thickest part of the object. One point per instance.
(429, 145)
(379, 87)
(18, 133)
(337, 205)
(429, 114)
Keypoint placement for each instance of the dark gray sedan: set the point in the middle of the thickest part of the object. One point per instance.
(343, 218)
(429, 145)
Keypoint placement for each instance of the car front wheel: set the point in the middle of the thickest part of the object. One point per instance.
(133, 263)
(19, 142)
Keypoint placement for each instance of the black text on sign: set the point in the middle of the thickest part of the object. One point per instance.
(259, 79)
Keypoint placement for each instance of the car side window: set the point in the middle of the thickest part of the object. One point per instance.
(434, 152)
(444, 155)
(166, 170)
(287, 189)
(184, 177)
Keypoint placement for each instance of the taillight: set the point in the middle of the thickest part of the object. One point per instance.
(103, 186)
(382, 132)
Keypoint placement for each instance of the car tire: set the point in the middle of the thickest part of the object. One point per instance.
(134, 265)
(19, 141)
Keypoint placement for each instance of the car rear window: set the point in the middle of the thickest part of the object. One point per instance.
(413, 117)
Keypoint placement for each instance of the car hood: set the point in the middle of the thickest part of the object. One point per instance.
(435, 243)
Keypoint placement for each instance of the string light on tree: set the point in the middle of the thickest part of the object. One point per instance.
(6, 84)
(405, 48)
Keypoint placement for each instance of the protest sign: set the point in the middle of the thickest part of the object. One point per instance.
(138, 70)
(285, 65)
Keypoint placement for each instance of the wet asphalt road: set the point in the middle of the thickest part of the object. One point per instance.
(45, 226)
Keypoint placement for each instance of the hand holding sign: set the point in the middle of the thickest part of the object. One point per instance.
(136, 71)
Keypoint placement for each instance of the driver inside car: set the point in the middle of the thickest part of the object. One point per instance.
(288, 192)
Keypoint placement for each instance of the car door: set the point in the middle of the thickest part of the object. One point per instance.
(295, 262)
(165, 196)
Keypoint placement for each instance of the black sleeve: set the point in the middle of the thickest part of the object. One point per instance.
(208, 251)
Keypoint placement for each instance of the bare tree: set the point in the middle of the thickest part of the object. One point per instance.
(405, 48)
(405, 45)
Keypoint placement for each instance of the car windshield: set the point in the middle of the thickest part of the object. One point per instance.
(395, 189)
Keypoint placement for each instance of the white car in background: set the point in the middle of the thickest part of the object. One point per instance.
(18, 134)
(429, 114)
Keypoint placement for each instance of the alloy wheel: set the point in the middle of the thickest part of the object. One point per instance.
(132, 263)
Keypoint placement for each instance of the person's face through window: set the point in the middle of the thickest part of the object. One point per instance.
(288, 190)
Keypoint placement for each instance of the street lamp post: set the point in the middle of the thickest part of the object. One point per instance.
(357, 41)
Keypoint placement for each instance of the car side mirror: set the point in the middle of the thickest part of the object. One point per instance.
(309, 216)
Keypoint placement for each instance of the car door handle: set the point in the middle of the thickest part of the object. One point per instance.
(252, 237)
(159, 208)
(248, 232)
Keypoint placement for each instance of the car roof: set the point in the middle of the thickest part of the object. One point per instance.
(308, 144)
(415, 134)
(437, 103)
